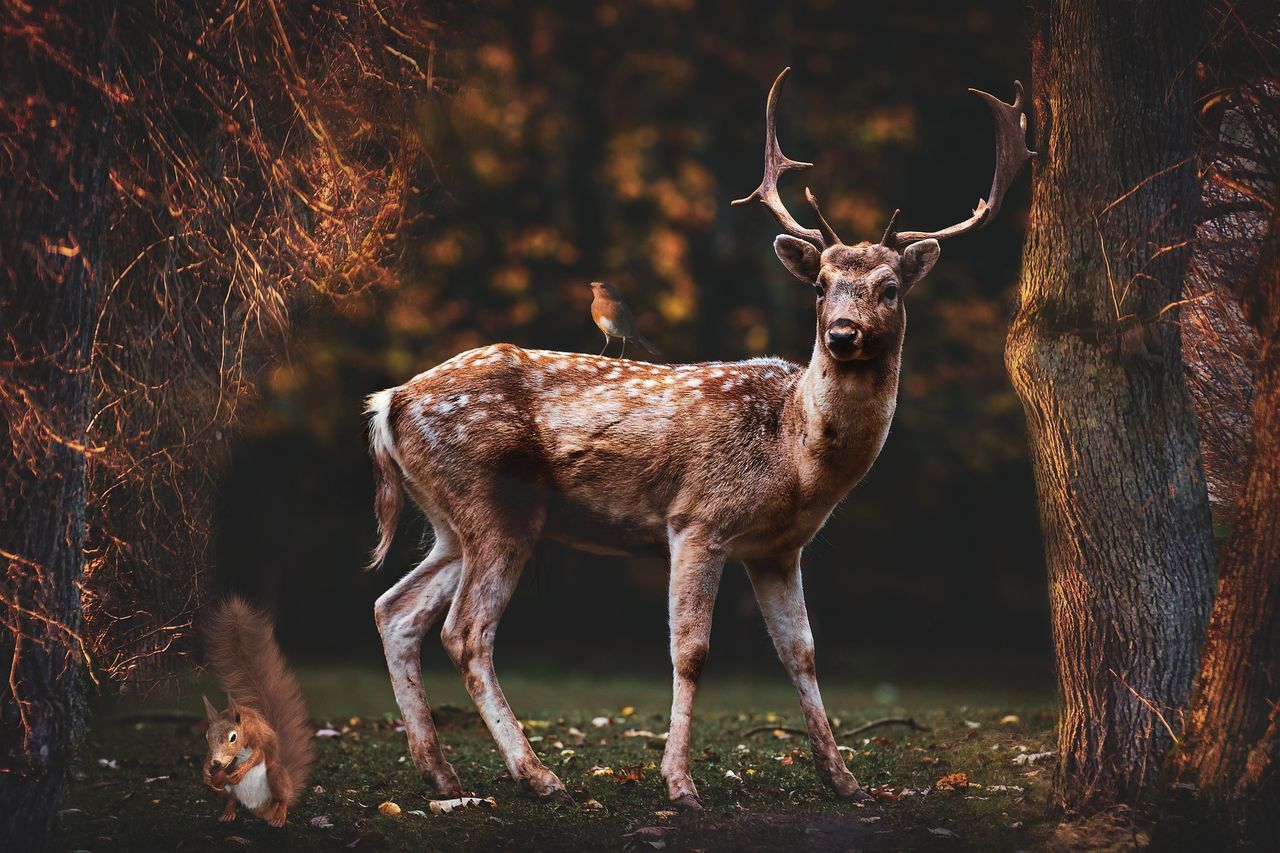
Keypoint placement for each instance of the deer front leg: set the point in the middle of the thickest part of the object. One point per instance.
(488, 579)
(781, 595)
(404, 614)
(696, 564)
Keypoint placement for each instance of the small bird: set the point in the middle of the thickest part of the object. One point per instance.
(613, 317)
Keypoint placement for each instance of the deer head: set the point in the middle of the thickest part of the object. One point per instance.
(860, 288)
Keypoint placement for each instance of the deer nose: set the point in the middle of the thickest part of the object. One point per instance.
(843, 336)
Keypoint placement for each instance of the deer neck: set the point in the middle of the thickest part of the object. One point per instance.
(842, 412)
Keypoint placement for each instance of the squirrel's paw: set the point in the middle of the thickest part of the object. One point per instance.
(276, 815)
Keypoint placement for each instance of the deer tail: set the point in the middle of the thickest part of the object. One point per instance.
(388, 498)
(241, 649)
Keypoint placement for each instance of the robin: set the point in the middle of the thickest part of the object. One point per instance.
(613, 317)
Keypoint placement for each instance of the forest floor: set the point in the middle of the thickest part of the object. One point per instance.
(976, 780)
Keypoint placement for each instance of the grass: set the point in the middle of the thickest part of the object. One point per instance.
(138, 782)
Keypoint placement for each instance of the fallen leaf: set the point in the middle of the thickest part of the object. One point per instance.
(1010, 720)
(1030, 758)
(952, 782)
(627, 711)
(318, 789)
(592, 805)
(969, 724)
(600, 722)
(786, 760)
(629, 775)
(597, 770)
(417, 813)
(328, 733)
(649, 832)
(665, 814)
(322, 821)
(238, 839)
(943, 832)
(732, 777)
(446, 806)
(109, 763)
(389, 808)
(887, 792)
(643, 733)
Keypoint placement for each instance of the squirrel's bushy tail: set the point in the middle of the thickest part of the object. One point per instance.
(241, 649)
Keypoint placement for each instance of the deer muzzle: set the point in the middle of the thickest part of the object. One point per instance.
(844, 340)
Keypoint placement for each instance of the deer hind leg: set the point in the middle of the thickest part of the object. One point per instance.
(404, 614)
(491, 570)
(781, 595)
(696, 565)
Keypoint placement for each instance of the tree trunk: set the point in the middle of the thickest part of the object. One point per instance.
(1232, 745)
(52, 204)
(1093, 353)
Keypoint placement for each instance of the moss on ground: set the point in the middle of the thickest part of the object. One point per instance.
(138, 787)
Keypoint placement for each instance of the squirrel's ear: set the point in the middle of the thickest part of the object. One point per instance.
(233, 708)
(210, 711)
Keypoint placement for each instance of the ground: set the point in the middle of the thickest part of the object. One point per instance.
(138, 777)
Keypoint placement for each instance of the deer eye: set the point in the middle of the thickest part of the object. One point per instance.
(890, 292)
(231, 738)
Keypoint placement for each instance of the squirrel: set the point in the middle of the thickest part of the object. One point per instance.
(260, 747)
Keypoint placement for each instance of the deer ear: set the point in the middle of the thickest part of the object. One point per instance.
(917, 260)
(800, 257)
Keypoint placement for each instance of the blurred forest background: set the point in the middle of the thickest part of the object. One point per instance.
(605, 141)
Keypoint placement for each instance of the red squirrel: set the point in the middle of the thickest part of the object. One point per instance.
(260, 747)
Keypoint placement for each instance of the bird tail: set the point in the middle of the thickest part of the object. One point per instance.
(647, 344)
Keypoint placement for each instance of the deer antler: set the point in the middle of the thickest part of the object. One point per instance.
(1011, 154)
(775, 163)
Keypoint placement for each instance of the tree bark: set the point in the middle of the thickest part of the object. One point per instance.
(52, 204)
(1232, 745)
(1093, 353)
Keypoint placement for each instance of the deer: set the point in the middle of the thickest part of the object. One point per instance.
(503, 447)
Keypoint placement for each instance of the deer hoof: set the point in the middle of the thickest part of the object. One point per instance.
(688, 802)
(856, 794)
(558, 796)
(446, 782)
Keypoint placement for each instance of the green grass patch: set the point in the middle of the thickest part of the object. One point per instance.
(138, 782)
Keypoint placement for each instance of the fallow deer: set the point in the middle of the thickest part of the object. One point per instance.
(702, 463)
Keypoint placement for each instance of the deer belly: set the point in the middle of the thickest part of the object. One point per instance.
(581, 525)
(253, 792)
